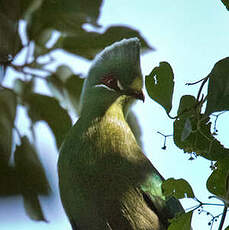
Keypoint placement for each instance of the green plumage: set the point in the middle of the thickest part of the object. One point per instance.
(105, 180)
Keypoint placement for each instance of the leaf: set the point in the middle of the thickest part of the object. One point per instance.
(226, 3)
(187, 106)
(66, 16)
(227, 228)
(33, 207)
(79, 43)
(73, 88)
(23, 88)
(217, 183)
(187, 129)
(218, 87)
(160, 84)
(42, 107)
(179, 188)
(200, 140)
(10, 43)
(29, 169)
(8, 106)
(181, 222)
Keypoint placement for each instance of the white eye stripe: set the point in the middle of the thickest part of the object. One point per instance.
(104, 86)
(119, 85)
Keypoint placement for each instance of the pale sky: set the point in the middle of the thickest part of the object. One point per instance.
(192, 36)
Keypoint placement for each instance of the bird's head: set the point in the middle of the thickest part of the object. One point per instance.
(115, 73)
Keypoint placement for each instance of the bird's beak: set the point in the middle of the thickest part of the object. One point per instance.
(138, 94)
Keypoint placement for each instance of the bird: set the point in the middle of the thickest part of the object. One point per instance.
(105, 180)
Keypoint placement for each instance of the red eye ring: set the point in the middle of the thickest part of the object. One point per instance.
(110, 81)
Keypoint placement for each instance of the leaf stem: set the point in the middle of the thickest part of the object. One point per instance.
(223, 217)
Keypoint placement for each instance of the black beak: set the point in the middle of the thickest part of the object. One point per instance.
(136, 94)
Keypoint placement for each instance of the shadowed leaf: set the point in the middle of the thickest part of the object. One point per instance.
(42, 107)
(8, 105)
(10, 43)
(218, 88)
(88, 44)
(200, 140)
(73, 88)
(179, 188)
(33, 207)
(226, 3)
(217, 183)
(160, 84)
(63, 15)
(182, 221)
(29, 168)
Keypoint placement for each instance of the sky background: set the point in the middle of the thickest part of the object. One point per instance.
(192, 36)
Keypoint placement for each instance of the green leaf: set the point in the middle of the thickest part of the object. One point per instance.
(179, 188)
(73, 89)
(33, 207)
(217, 183)
(29, 169)
(187, 129)
(8, 104)
(160, 84)
(218, 88)
(10, 42)
(79, 43)
(66, 87)
(227, 228)
(199, 140)
(23, 88)
(63, 15)
(187, 106)
(181, 222)
(42, 107)
(226, 3)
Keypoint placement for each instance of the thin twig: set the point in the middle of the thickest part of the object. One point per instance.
(223, 217)
(193, 83)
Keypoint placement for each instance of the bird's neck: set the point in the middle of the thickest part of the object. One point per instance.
(116, 110)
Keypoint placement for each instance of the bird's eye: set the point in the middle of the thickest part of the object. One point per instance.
(111, 82)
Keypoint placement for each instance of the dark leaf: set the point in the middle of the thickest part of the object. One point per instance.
(187, 129)
(187, 106)
(200, 140)
(23, 88)
(42, 107)
(226, 3)
(33, 207)
(29, 169)
(88, 44)
(56, 87)
(63, 15)
(10, 184)
(73, 88)
(181, 222)
(10, 43)
(160, 84)
(66, 87)
(217, 183)
(179, 188)
(8, 106)
(218, 88)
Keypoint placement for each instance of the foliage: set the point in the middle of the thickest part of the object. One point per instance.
(192, 131)
(44, 19)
